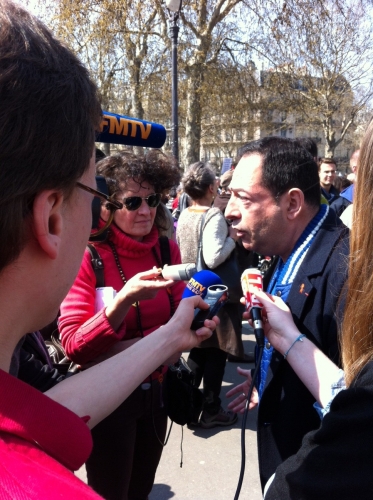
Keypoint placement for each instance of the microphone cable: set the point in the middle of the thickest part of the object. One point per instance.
(259, 336)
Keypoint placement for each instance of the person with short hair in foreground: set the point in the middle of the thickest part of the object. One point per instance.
(50, 113)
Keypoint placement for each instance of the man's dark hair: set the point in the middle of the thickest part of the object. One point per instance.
(328, 161)
(286, 165)
(309, 145)
(49, 115)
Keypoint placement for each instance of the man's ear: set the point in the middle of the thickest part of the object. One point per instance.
(295, 200)
(48, 221)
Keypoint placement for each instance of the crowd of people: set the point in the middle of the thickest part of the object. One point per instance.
(314, 389)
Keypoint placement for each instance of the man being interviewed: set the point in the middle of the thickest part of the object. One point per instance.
(275, 208)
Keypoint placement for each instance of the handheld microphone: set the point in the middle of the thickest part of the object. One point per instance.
(253, 277)
(216, 297)
(210, 287)
(121, 129)
(200, 282)
(179, 272)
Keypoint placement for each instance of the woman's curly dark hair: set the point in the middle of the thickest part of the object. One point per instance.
(155, 167)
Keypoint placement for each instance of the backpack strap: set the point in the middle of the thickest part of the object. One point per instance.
(201, 265)
(164, 245)
(97, 264)
(165, 250)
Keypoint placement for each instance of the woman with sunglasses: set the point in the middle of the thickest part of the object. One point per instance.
(127, 444)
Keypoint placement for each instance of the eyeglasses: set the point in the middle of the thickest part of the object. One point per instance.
(111, 204)
(134, 202)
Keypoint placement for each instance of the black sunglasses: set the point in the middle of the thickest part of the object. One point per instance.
(134, 202)
(111, 204)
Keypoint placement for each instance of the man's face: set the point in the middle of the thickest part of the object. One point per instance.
(354, 161)
(327, 175)
(260, 221)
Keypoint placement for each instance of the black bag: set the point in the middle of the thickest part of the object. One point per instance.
(183, 401)
(50, 333)
(229, 270)
(184, 202)
(58, 356)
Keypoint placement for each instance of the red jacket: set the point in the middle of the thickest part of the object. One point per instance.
(85, 334)
(40, 440)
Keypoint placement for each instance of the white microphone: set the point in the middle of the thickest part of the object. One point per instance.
(179, 272)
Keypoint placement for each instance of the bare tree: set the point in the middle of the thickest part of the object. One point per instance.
(230, 105)
(210, 27)
(319, 59)
(126, 46)
(120, 42)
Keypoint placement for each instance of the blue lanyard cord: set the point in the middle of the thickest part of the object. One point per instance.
(286, 271)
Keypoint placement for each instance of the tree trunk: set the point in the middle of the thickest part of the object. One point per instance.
(193, 116)
(329, 150)
(329, 133)
(137, 110)
(106, 149)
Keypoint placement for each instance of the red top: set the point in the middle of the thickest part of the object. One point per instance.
(175, 203)
(85, 334)
(40, 440)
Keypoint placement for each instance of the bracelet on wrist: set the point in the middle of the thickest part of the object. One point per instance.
(298, 339)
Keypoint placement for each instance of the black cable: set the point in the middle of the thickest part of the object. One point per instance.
(244, 419)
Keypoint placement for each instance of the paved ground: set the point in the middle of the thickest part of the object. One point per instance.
(211, 457)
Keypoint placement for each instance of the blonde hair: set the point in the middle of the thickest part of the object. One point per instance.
(357, 328)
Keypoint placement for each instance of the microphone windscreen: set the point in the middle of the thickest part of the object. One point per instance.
(199, 283)
(121, 129)
(251, 278)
